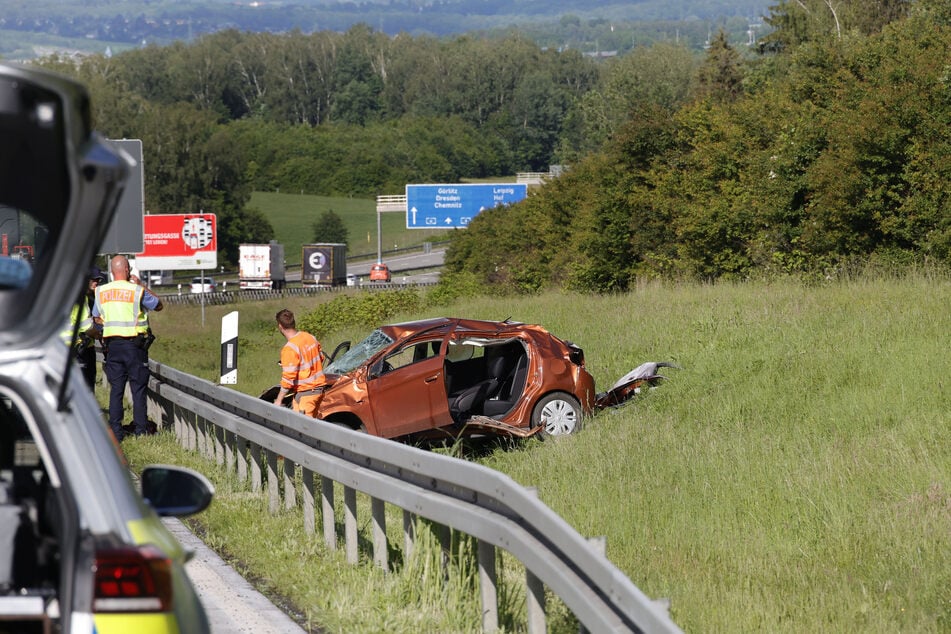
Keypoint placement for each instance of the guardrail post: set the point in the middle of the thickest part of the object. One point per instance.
(599, 545)
(535, 596)
(273, 493)
(256, 468)
(378, 511)
(327, 512)
(187, 422)
(211, 440)
(535, 604)
(218, 435)
(159, 410)
(207, 439)
(290, 492)
(444, 534)
(409, 534)
(307, 499)
(230, 446)
(350, 524)
(488, 587)
(178, 425)
(241, 457)
(201, 437)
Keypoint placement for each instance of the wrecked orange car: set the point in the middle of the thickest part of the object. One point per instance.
(454, 377)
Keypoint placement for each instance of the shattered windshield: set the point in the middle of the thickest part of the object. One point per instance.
(359, 354)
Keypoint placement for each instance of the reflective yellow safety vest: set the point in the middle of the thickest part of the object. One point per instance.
(85, 322)
(120, 307)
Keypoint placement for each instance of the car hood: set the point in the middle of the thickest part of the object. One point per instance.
(59, 185)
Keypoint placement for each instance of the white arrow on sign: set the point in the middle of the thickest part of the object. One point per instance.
(413, 211)
(448, 220)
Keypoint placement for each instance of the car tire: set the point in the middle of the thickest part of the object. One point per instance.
(559, 413)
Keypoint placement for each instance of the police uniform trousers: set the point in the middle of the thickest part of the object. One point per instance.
(127, 361)
(87, 363)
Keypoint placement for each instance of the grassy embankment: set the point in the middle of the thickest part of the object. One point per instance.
(794, 476)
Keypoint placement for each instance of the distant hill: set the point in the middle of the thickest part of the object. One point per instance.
(95, 24)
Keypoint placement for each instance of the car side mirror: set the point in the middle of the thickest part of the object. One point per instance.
(176, 491)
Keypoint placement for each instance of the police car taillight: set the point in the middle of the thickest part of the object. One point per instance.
(134, 579)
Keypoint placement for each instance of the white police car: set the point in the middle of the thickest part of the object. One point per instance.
(81, 550)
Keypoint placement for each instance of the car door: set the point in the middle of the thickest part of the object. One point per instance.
(407, 390)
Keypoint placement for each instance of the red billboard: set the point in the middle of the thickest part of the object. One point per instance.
(175, 242)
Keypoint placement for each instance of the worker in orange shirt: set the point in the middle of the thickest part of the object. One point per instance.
(301, 366)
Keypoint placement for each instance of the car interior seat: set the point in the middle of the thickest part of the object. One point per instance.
(471, 400)
(510, 389)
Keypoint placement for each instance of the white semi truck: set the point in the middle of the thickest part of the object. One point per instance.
(261, 266)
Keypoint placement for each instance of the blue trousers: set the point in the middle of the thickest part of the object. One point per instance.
(127, 362)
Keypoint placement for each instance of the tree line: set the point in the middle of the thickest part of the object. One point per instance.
(823, 144)
(339, 114)
(827, 148)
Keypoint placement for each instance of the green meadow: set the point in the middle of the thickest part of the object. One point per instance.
(793, 476)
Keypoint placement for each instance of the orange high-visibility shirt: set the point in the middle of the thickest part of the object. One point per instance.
(301, 366)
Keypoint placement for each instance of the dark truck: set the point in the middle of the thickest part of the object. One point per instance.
(324, 264)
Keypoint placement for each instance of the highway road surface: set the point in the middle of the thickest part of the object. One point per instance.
(400, 265)
(232, 604)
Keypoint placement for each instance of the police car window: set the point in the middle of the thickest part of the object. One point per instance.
(34, 178)
(21, 241)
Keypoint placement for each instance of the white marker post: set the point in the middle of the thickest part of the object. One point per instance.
(229, 348)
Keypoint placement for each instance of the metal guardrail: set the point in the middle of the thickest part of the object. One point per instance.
(219, 298)
(251, 437)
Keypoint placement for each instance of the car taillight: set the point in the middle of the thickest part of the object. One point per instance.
(133, 580)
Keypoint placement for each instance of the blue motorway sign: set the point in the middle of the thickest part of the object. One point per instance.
(453, 206)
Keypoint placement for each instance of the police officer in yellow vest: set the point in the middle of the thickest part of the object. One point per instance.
(122, 308)
(89, 331)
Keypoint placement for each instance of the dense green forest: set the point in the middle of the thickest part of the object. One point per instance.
(823, 144)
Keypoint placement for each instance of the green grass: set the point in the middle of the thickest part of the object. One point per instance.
(794, 476)
(293, 217)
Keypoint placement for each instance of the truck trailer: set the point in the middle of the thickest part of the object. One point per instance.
(261, 266)
(324, 264)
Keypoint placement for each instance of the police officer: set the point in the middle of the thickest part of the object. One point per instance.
(89, 331)
(122, 308)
